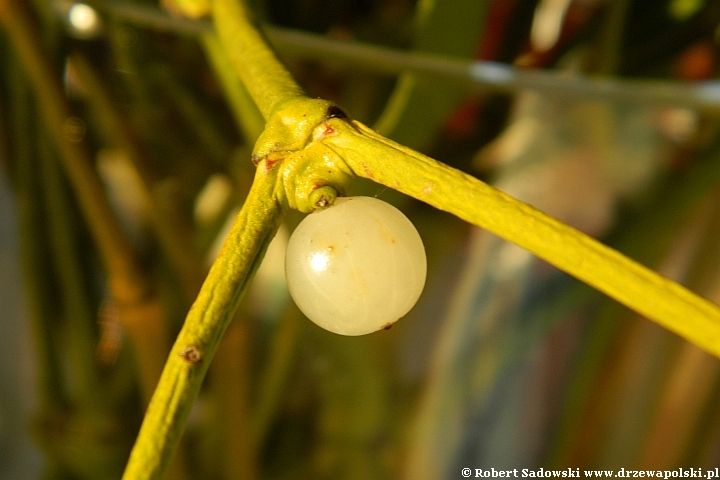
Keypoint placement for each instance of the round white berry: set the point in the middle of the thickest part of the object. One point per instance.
(355, 267)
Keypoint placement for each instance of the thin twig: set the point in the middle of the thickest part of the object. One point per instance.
(480, 76)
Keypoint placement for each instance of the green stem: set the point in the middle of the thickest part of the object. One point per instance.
(267, 80)
(249, 120)
(204, 326)
(271, 86)
(674, 307)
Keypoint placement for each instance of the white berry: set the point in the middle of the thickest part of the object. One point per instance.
(355, 267)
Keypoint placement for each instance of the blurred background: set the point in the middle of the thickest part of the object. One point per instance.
(125, 143)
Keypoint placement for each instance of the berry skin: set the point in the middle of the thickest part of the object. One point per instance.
(355, 267)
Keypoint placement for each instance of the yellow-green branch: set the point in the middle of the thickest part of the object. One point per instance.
(267, 80)
(206, 322)
(635, 286)
(307, 149)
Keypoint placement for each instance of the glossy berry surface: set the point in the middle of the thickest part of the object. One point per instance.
(355, 267)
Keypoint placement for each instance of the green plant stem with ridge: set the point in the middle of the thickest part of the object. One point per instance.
(308, 152)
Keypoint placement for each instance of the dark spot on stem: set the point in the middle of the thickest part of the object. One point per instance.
(387, 326)
(334, 111)
(191, 354)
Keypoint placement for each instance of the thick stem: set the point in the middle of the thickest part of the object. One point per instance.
(267, 80)
(674, 307)
(208, 319)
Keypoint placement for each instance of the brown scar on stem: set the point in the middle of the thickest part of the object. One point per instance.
(271, 162)
(322, 131)
(191, 354)
(387, 326)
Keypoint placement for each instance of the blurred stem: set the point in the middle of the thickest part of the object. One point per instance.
(703, 274)
(116, 251)
(274, 376)
(482, 76)
(34, 249)
(136, 301)
(704, 444)
(176, 241)
(41, 288)
(5, 142)
(418, 105)
(76, 306)
(606, 59)
(231, 377)
(247, 116)
(354, 406)
(204, 326)
(194, 113)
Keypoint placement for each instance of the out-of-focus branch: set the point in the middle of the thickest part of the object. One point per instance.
(480, 76)
(139, 308)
